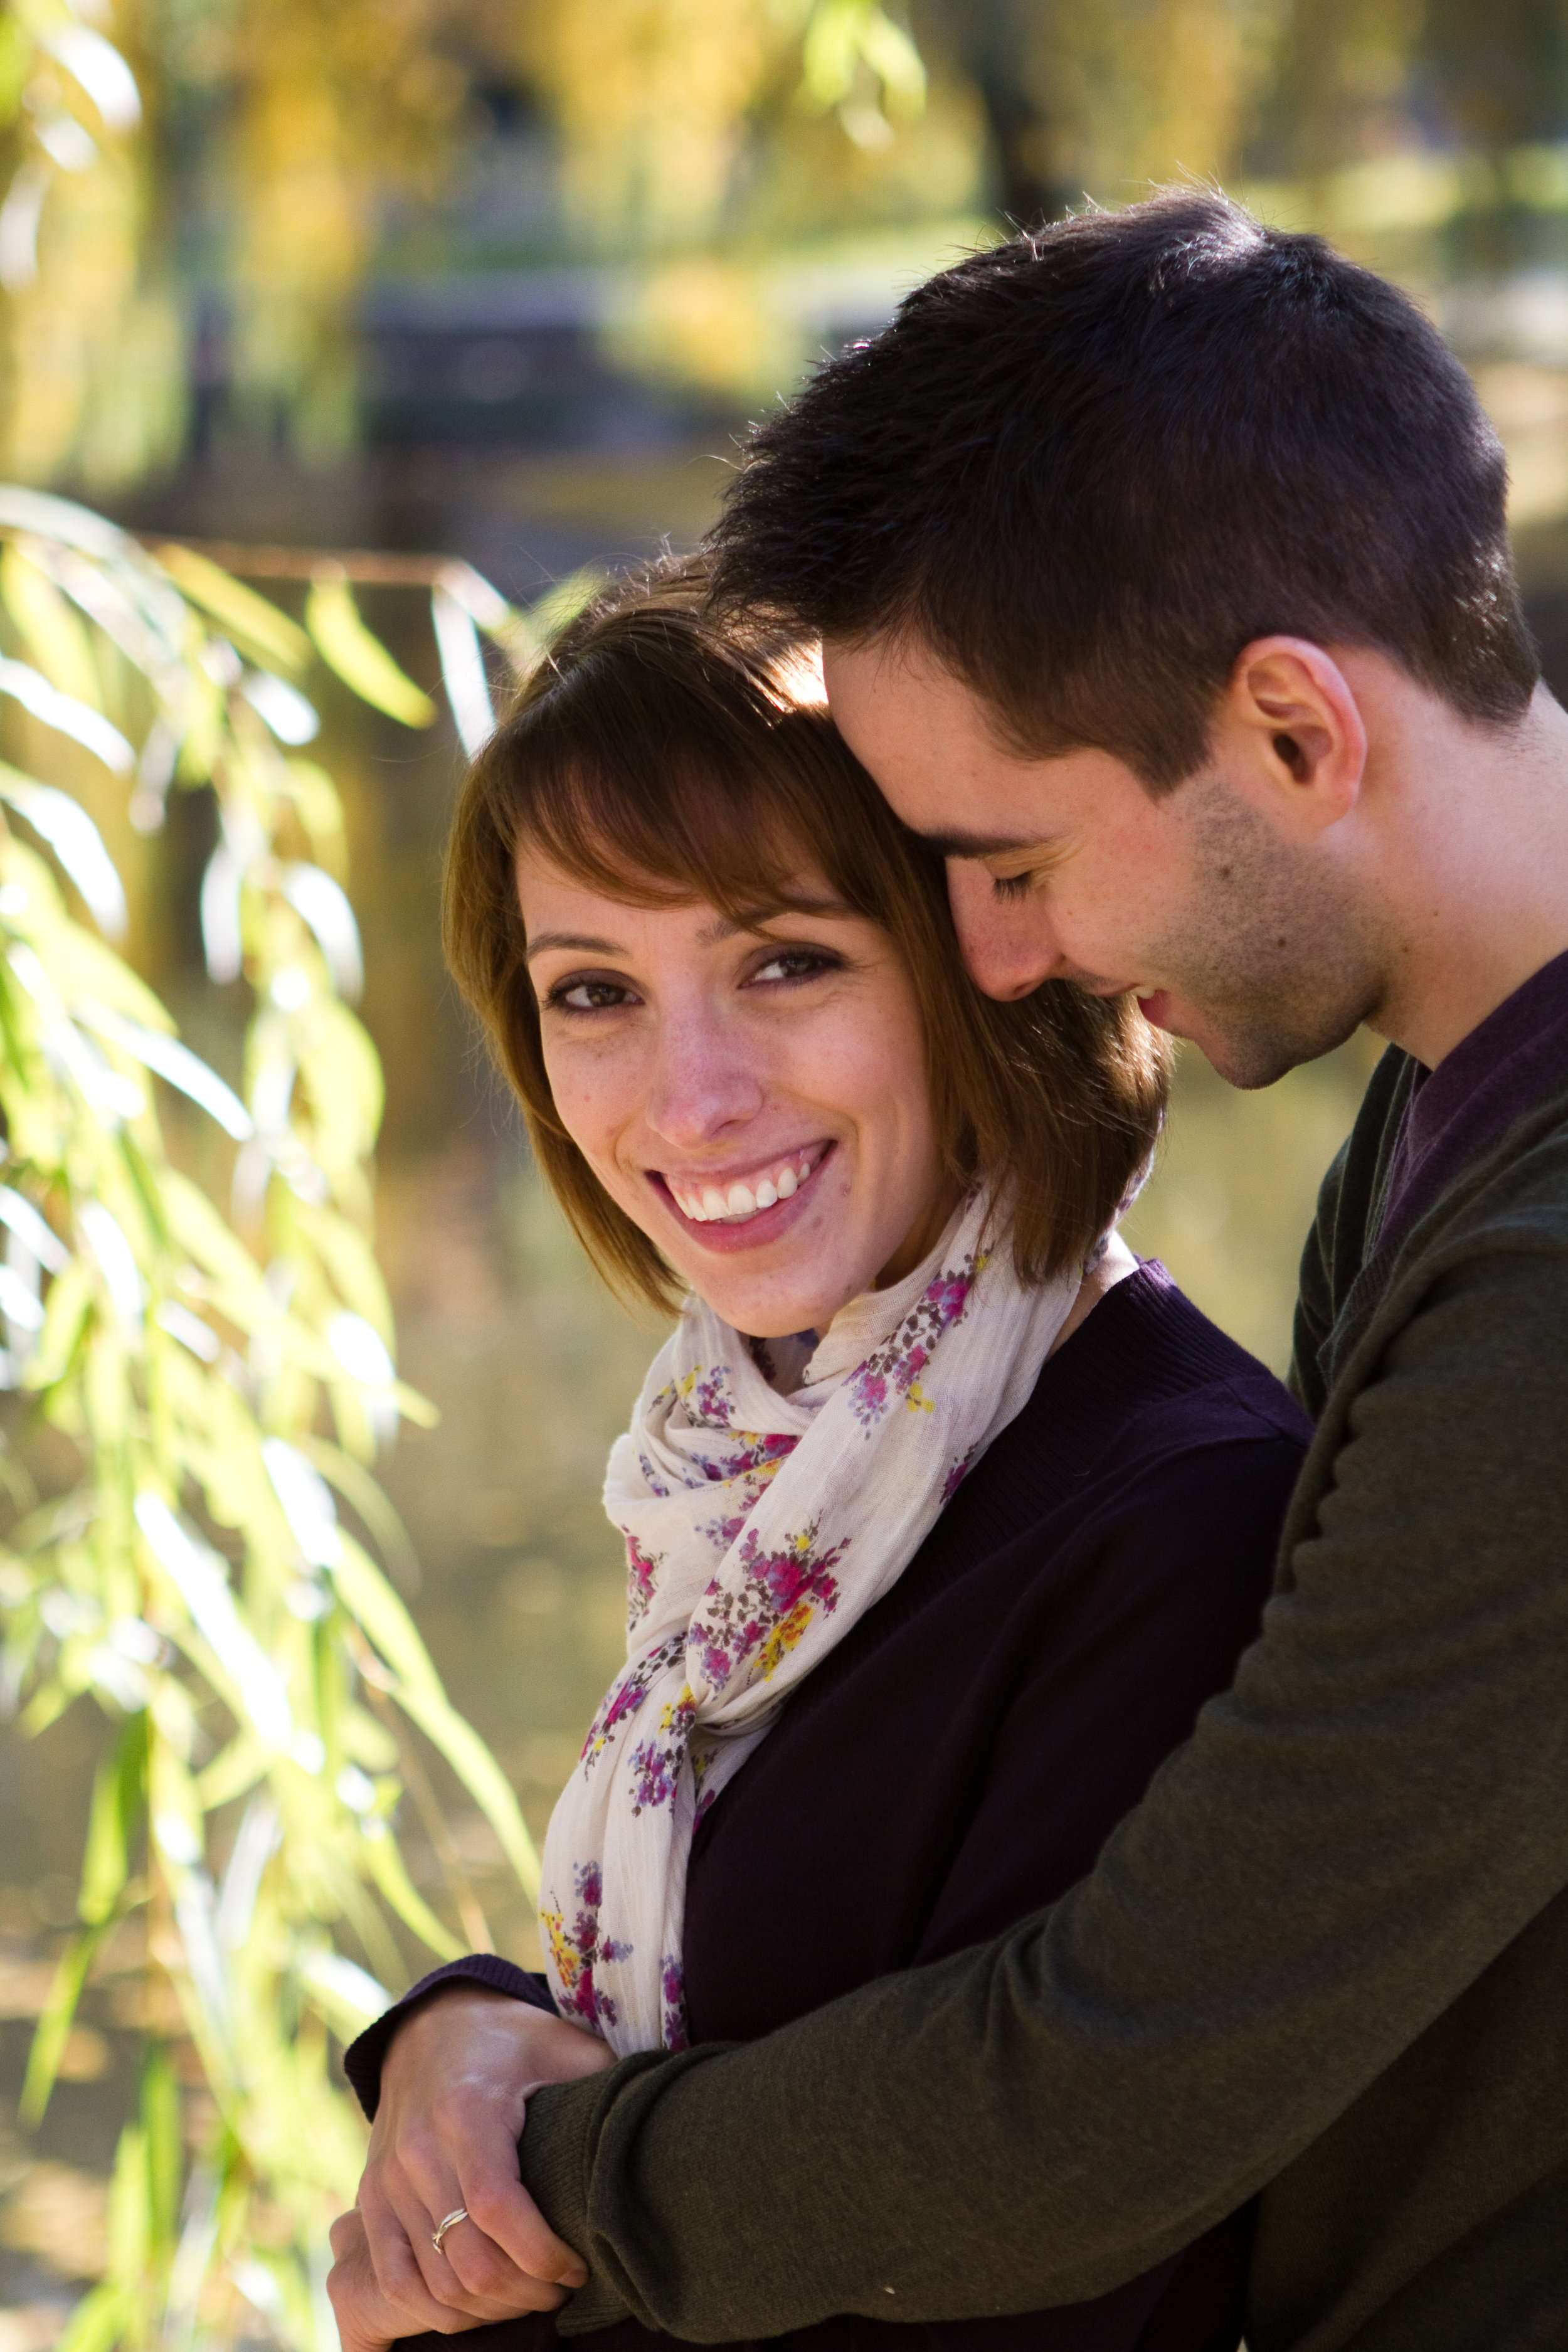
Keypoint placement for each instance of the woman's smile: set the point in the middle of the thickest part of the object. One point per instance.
(716, 1198)
(753, 1093)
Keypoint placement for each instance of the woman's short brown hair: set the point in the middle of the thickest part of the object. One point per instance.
(662, 758)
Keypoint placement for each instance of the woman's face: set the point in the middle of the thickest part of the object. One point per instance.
(755, 1099)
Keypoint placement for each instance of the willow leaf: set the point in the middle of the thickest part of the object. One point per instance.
(385, 1865)
(53, 2029)
(476, 1768)
(360, 659)
(256, 625)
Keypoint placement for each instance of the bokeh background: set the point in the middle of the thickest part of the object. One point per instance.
(504, 280)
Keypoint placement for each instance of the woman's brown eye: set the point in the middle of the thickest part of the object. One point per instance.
(586, 996)
(794, 963)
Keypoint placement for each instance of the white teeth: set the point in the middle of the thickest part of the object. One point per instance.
(712, 1206)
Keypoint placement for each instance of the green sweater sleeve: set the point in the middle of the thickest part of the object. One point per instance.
(1376, 1810)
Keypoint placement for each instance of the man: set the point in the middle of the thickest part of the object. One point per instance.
(1160, 564)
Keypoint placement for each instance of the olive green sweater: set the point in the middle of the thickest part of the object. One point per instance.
(1325, 1960)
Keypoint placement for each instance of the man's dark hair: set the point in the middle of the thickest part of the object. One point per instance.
(1088, 466)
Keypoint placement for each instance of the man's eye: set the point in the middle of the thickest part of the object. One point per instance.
(587, 996)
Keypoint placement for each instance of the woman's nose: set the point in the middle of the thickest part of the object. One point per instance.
(703, 1080)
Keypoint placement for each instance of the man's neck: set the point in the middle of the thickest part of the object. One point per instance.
(1470, 869)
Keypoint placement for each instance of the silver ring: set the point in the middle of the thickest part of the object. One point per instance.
(442, 2227)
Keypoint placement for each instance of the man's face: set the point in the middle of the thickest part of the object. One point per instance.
(1227, 929)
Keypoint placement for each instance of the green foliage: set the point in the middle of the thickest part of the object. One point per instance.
(216, 1380)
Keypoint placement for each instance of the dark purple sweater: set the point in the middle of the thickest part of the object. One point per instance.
(960, 1758)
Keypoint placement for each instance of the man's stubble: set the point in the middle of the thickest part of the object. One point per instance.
(1272, 953)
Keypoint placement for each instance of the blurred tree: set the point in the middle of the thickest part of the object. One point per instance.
(191, 1396)
(696, 141)
(90, 342)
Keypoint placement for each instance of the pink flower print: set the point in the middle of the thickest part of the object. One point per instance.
(676, 2036)
(767, 1616)
(702, 1393)
(625, 1696)
(657, 1767)
(577, 1950)
(894, 1369)
(642, 1573)
(655, 1485)
(761, 1454)
(958, 1474)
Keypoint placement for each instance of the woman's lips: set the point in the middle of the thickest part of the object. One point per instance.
(742, 1210)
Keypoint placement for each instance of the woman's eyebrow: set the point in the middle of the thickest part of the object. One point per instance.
(713, 935)
(578, 942)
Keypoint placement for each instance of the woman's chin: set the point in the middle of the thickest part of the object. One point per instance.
(773, 1302)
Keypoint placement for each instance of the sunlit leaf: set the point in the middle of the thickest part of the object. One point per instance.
(101, 69)
(49, 627)
(463, 671)
(98, 2322)
(174, 1061)
(324, 906)
(360, 659)
(350, 1995)
(198, 1575)
(30, 1228)
(54, 2025)
(474, 1765)
(117, 1793)
(386, 1867)
(256, 625)
(76, 841)
(66, 715)
(292, 718)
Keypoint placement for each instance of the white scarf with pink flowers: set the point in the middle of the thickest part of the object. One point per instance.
(769, 1493)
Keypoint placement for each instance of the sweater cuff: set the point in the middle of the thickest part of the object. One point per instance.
(555, 2156)
(363, 2059)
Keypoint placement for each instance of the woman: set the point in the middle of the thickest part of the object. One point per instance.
(943, 1516)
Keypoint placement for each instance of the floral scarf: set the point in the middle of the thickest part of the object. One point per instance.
(768, 1492)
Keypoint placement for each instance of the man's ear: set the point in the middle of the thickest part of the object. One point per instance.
(1289, 724)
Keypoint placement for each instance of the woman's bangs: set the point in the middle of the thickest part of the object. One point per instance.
(674, 830)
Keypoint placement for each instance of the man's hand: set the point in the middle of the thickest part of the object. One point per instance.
(454, 2085)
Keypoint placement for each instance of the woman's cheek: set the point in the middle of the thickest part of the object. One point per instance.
(587, 1098)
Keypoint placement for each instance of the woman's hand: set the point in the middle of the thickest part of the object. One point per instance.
(454, 2085)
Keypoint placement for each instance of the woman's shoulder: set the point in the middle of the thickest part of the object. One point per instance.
(1150, 1415)
(1147, 1366)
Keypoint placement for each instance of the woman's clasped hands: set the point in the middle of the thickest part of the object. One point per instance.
(453, 2094)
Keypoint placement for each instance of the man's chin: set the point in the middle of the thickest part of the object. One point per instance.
(1249, 1060)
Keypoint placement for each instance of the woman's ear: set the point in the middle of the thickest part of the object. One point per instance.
(1289, 727)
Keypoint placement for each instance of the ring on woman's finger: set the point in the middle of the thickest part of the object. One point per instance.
(442, 2227)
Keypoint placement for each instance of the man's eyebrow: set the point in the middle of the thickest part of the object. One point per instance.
(576, 941)
(978, 844)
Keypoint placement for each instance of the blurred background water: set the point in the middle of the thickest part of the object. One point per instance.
(504, 282)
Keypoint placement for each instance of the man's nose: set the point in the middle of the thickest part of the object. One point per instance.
(703, 1080)
(1008, 950)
